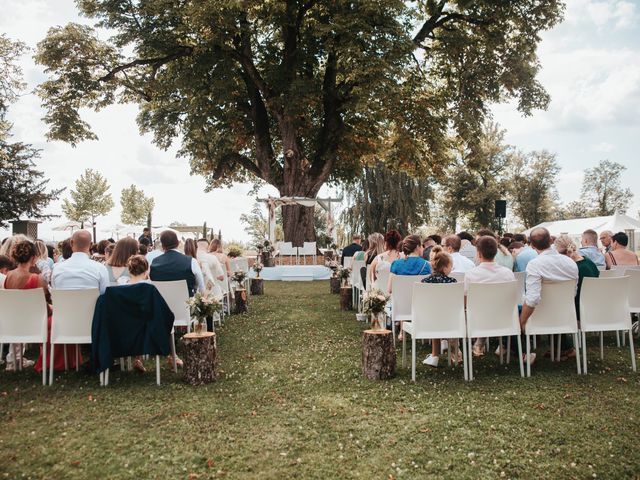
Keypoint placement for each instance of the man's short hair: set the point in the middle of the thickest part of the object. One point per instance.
(436, 238)
(204, 240)
(169, 240)
(487, 247)
(453, 242)
(6, 262)
(520, 237)
(146, 229)
(485, 232)
(590, 237)
(81, 240)
(540, 238)
(144, 241)
(466, 236)
(356, 236)
(621, 238)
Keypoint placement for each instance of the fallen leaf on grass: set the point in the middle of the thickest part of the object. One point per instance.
(210, 463)
(90, 398)
(193, 476)
(425, 430)
(75, 463)
(622, 379)
(539, 406)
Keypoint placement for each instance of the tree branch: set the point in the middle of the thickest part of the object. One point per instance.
(182, 51)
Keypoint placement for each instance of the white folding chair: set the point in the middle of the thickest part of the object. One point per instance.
(429, 322)
(287, 249)
(176, 294)
(346, 261)
(604, 307)
(492, 311)
(71, 321)
(23, 319)
(459, 276)
(356, 282)
(554, 315)
(520, 278)
(308, 249)
(382, 281)
(401, 292)
(611, 273)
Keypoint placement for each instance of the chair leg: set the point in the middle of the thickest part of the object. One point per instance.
(624, 338)
(44, 363)
(501, 352)
(465, 358)
(404, 350)
(66, 360)
(173, 352)
(158, 369)
(602, 345)
(413, 358)
(575, 342)
(509, 350)
(553, 348)
(520, 356)
(16, 363)
(558, 348)
(470, 355)
(535, 342)
(584, 352)
(51, 358)
(528, 357)
(618, 338)
(633, 353)
(77, 358)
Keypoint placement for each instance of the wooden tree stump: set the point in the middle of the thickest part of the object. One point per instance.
(241, 301)
(334, 283)
(200, 358)
(378, 355)
(345, 299)
(257, 286)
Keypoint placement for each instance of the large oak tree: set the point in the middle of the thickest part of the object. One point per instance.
(297, 93)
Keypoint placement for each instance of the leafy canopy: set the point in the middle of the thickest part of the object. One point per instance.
(602, 188)
(90, 199)
(136, 206)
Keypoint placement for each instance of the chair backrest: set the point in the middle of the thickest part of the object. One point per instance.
(623, 269)
(492, 309)
(308, 248)
(73, 314)
(224, 283)
(23, 316)
(233, 262)
(520, 278)
(459, 276)
(346, 261)
(601, 267)
(556, 312)
(176, 294)
(286, 248)
(437, 310)
(604, 304)
(634, 290)
(611, 273)
(369, 283)
(356, 278)
(382, 281)
(242, 264)
(401, 292)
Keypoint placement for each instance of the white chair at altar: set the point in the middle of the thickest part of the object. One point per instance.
(308, 249)
(287, 249)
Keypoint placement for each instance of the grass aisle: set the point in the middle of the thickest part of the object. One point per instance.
(291, 404)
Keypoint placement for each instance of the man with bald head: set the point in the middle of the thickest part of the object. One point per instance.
(79, 271)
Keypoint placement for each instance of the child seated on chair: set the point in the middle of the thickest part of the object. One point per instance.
(442, 264)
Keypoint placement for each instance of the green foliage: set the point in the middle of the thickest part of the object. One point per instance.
(136, 207)
(295, 93)
(601, 187)
(532, 181)
(256, 223)
(11, 80)
(90, 199)
(234, 250)
(382, 199)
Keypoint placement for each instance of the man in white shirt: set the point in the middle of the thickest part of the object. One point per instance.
(79, 271)
(461, 264)
(467, 248)
(549, 266)
(487, 271)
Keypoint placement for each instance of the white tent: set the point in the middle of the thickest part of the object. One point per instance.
(574, 228)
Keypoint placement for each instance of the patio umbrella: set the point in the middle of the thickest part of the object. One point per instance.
(67, 226)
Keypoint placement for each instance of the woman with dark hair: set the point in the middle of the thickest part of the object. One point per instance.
(619, 254)
(383, 261)
(99, 256)
(117, 263)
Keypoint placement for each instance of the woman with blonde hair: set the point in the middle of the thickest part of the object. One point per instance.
(42, 263)
(215, 247)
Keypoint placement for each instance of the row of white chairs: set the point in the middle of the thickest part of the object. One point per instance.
(286, 249)
(438, 312)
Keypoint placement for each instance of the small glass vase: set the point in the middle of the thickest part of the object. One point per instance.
(378, 321)
(199, 327)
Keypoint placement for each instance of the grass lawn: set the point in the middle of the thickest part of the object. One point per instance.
(291, 404)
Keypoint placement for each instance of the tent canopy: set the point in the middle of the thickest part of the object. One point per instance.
(615, 223)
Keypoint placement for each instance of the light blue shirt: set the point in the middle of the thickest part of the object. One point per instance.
(153, 254)
(523, 258)
(79, 272)
(593, 254)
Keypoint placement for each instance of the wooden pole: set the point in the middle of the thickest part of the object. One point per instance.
(378, 355)
(200, 358)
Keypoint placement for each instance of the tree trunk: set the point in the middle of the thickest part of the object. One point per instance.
(241, 301)
(297, 223)
(200, 358)
(257, 286)
(345, 299)
(378, 355)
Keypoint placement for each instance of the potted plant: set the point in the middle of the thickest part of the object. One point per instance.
(334, 281)
(374, 303)
(202, 306)
(257, 287)
(234, 252)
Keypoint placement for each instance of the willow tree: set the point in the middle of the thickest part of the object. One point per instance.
(296, 93)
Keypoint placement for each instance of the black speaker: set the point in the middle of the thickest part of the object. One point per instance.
(501, 208)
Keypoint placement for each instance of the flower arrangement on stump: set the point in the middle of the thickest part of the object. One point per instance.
(265, 253)
(374, 303)
(239, 277)
(202, 306)
(333, 265)
(257, 267)
(344, 274)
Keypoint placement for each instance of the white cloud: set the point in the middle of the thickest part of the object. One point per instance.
(604, 147)
(604, 15)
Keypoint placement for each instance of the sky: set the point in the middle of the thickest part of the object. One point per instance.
(590, 67)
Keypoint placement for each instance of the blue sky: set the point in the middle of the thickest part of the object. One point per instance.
(590, 66)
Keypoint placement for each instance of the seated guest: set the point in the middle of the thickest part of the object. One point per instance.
(451, 244)
(7, 243)
(215, 266)
(503, 257)
(548, 265)
(382, 263)
(42, 266)
(619, 254)
(350, 251)
(487, 271)
(144, 244)
(525, 255)
(374, 247)
(430, 242)
(145, 237)
(138, 269)
(191, 250)
(64, 247)
(589, 248)
(359, 255)
(467, 248)
(99, 256)
(174, 265)
(586, 268)
(79, 271)
(117, 263)
(6, 264)
(215, 248)
(441, 265)
(606, 241)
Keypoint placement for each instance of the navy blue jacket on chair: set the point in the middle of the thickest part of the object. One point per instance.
(172, 265)
(130, 320)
